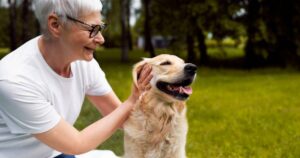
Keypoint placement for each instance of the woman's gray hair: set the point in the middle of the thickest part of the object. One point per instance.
(73, 8)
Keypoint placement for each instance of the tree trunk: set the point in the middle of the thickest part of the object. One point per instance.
(37, 26)
(128, 25)
(191, 57)
(124, 47)
(250, 56)
(202, 46)
(25, 19)
(12, 24)
(147, 29)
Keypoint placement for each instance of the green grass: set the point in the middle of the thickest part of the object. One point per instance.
(231, 114)
(235, 113)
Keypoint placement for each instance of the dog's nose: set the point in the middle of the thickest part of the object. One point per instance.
(190, 69)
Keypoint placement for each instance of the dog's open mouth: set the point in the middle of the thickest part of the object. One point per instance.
(180, 90)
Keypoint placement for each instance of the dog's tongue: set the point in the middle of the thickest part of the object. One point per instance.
(186, 90)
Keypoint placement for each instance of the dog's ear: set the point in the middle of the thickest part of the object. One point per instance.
(137, 69)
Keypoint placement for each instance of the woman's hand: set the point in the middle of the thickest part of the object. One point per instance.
(143, 82)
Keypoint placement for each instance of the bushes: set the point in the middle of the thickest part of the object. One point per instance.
(3, 52)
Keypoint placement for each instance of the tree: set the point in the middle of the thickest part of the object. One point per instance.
(255, 45)
(4, 27)
(147, 28)
(116, 13)
(272, 32)
(201, 46)
(185, 19)
(281, 22)
(130, 43)
(125, 32)
(190, 48)
(12, 24)
(112, 14)
(25, 18)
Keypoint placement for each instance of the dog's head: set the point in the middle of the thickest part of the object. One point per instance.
(172, 77)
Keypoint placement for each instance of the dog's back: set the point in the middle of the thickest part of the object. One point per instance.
(156, 129)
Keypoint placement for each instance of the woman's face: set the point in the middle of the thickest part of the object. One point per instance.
(75, 38)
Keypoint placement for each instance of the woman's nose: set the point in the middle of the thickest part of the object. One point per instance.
(99, 39)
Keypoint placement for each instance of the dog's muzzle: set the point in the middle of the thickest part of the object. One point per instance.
(180, 89)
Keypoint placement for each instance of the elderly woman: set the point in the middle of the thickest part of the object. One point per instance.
(44, 82)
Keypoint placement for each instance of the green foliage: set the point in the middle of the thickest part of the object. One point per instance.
(4, 38)
(3, 52)
(31, 24)
(226, 42)
(112, 17)
(226, 53)
(232, 113)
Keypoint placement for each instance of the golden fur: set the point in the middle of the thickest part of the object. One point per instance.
(157, 126)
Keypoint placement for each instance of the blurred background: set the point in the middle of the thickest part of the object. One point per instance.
(251, 33)
(246, 95)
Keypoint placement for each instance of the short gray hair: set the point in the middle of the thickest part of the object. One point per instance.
(73, 8)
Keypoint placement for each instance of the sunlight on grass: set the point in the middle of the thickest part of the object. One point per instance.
(244, 114)
(3, 52)
(225, 53)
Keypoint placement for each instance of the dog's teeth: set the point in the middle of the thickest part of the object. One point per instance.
(180, 90)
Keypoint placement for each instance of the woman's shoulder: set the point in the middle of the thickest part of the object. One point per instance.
(20, 61)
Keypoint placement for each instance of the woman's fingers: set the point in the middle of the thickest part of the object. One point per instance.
(146, 70)
(147, 80)
(144, 77)
(143, 81)
(139, 70)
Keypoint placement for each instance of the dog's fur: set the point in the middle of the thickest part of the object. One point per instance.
(157, 126)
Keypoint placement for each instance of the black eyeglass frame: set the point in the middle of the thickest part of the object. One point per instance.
(95, 29)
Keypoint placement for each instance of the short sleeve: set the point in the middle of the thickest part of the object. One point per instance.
(24, 108)
(98, 84)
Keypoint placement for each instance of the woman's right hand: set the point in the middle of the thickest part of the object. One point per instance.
(143, 82)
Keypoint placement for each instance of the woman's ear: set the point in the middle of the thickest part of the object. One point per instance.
(54, 26)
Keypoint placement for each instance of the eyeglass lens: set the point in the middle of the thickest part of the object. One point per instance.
(96, 30)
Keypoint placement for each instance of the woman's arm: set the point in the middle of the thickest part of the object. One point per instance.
(105, 104)
(65, 138)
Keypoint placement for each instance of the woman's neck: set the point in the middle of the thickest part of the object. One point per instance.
(55, 56)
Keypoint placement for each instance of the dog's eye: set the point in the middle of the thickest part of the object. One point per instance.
(166, 63)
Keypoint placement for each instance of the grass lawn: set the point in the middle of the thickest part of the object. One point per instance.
(231, 114)
(235, 113)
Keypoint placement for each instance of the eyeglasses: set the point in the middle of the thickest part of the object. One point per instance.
(94, 29)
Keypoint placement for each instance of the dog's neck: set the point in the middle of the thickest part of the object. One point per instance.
(161, 116)
(153, 102)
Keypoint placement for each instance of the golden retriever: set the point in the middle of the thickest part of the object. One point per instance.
(157, 126)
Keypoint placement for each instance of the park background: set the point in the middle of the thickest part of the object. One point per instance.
(246, 100)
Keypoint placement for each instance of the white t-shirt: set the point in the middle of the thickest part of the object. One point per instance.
(33, 98)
